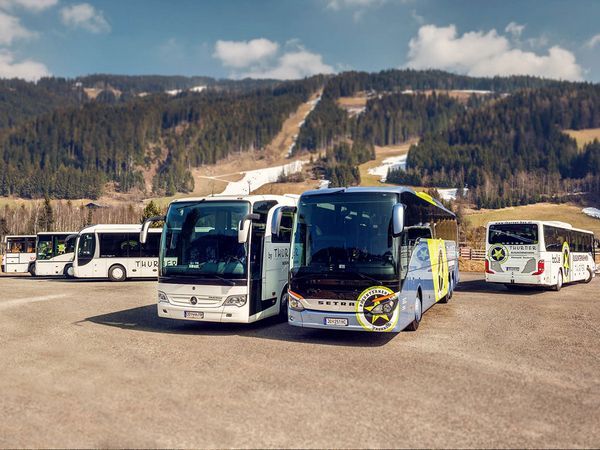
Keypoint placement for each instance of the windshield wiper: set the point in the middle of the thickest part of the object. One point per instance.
(365, 276)
(330, 274)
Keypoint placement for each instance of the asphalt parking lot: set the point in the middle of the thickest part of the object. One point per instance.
(89, 364)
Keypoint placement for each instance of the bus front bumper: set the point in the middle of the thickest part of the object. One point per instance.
(231, 314)
(319, 319)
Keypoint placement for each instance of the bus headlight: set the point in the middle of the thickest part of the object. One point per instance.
(162, 297)
(236, 300)
(294, 302)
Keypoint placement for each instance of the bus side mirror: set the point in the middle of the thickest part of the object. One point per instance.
(244, 227)
(397, 219)
(276, 219)
(146, 226)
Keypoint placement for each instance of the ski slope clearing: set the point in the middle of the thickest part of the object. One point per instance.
(254, 179)
(391, 163)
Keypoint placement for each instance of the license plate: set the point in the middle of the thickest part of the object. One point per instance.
(194, 314)
(512, 269)
(336, 321)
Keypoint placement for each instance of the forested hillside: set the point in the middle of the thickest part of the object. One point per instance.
(71, 153)
(513, 150)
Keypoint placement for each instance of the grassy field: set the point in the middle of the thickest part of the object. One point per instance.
(569, 213)
(584, 136)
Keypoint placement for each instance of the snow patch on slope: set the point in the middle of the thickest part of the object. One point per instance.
(592, 212)
(393, 162)
(260, 177)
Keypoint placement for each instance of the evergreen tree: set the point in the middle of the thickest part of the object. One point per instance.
(46, 218)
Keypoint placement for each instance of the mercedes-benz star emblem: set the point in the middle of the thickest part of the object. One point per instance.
(193, 300)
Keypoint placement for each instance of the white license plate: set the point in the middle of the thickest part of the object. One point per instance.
(194, 314)
(512, 269)
(336, 322)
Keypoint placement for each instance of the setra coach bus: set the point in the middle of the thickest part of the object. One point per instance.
(538, 253)
(371, 259)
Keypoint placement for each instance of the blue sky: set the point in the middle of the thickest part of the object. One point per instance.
(288, 39)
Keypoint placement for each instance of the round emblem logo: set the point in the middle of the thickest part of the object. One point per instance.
(377, 309)
(193, 300)
(498, 253)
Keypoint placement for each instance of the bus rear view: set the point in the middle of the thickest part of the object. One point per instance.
(538, 253)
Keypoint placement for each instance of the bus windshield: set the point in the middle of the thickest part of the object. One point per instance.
(513, 234)
(201, 240)
(345, 233)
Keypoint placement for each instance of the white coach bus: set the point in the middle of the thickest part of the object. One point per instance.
(54, 253)
(219, 261)
(370, 259)
(19, 256)
(538, 253)
(115, 252)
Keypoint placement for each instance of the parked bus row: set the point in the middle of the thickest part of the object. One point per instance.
(99, 251)
(346, 258)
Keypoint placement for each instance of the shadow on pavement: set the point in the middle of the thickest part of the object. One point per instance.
(480, 286)
(145, 318)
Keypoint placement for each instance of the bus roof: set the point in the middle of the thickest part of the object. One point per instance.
(53, 233)
(286, 198)
(552, 223)
(382, 189)
(115, 228)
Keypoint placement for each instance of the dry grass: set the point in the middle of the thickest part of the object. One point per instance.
(466, 265)
(381, 153)
(585, 136)
(357, 101)
(287, 188)
(569, 213)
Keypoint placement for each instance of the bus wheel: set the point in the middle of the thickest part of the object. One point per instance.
(68, 271)
(590, 275)
(31, 270)
(283, 306)
(559, 281)
(117, 273)
(414, 325)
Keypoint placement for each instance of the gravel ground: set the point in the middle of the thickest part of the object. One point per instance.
(89, 364)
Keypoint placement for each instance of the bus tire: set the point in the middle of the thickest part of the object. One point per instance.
(559, 282)
(590, 275)
(117, 273)
(31, 269)
(68, 271)
(414, 325)
(283, 306)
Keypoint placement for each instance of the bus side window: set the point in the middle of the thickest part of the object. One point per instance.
(285, 230)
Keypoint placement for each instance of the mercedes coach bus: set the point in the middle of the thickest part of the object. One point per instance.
(19, 256)
(530, 252)
(54, 253)
(115, 252)
(219, 260)
(370, 258)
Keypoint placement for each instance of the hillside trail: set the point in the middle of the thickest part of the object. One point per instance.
(214, 179)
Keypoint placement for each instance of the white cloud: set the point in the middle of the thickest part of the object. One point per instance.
(515, 29)
(593, 41)
(84, 15)
(477, 53)
(30, 5)
(11, 29)
(26, 69)
(240, 54)
(292, 65)
(262, 58)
